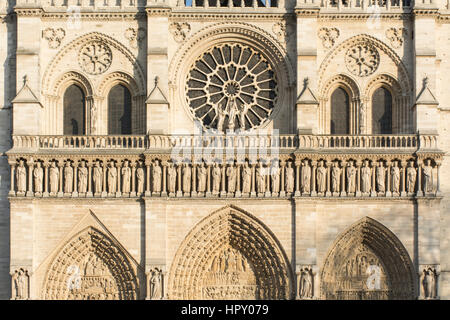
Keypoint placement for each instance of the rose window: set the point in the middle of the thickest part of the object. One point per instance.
(95, 57)
(362, 60)
(231, 87)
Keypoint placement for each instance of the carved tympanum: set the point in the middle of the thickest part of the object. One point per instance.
(95, 57)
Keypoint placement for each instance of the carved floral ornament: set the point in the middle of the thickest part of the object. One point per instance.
(179, 30)
(280, 30)
(231, 86)
(396, 36)
(95, 57)
(362, 59)
(328, 36)
(134, 36)
(53, 36)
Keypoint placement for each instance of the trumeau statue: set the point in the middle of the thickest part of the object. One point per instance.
(112, 178)
(231, 175)
(82, 177)
(187, 178)
(428, 279)
(380, 173)
(260, 179)
(275, 177)
(306, 177)
(411, 174)
(321, 177)
(428, 177)
(289, 177)
(156, 175)
(20, 280)
(140, 179)
(335, 177)
(172, 177)
(98, 177)
(126, 176)
(201, 177)
(68, 178)
(365, 177)
(351, 177)
(54, 178)
(306, 283)
(246, 178)
(216, 174)
(38, 175)
(21, 177)
(155, 284)
(395, 172)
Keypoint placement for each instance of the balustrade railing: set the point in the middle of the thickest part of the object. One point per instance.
(372, 142)
(371, 5)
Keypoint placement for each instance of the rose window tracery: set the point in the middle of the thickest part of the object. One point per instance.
(231, 87)
(362, 60)
(95, 57)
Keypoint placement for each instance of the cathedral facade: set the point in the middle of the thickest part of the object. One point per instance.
(224, 149)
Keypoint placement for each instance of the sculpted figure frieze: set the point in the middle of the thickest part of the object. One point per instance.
(21, 177)
(289, 178)
(172, 177)
(20, 281)
(156, 175)
(126, 177)
(98, 177)
(246, 178)
(411, 174)
(112, 178)
(380, 173)
(82, 177)
(260, 178)
(68, 178)
(231, 175)
(187, 174)
(428, 177)
(217, 175)
(366, 173)
(321, 177)
(351, 177)
(54, 178)
(201, 177)
(336, 177)
(275, 177)
(306, 177)
(395, 173)
(140, 176)
(38, 175)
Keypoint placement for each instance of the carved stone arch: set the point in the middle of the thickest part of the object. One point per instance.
(384, 80)
(91, 265)
(230, 255)
(118, 77)
(72, 77)
(351, 87)
(233, 33)
(403, 74)
(365, 252)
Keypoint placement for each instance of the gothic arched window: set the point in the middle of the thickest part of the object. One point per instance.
(381, 111)
(119, 110)
(74, 111)
(340, 106)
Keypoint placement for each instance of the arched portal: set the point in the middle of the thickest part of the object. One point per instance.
(230, 255)
(90, 266)
(368, 262)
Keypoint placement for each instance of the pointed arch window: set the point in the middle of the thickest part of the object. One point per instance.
(119, 110)
(74, 111)
(382, 111)
(340, 107)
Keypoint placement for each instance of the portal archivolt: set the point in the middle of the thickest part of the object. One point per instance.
(91, 266)
(230, 255)
(368, 262)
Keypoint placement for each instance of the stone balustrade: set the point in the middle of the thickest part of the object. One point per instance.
(373, 6)
(168, 142)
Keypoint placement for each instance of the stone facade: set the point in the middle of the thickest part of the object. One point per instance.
(233, 182)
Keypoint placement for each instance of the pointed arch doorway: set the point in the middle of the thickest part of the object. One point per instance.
(230, 255)
(368, 262)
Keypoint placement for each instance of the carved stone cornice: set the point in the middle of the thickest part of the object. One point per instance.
(426, 12)
(363, 16)
(28, 12)
(94, 16)
(162, 12)
(307, 12)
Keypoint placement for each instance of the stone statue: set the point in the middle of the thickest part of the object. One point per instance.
(289, 184)
(351, 177)
(321, 178)
(380, 173)
(126, 176)
(54, 178)
(306, 177)
(155, 284)
(172, 173)
(365, 177)
(306, 283)
(428, 177)
(411, 174)
(187, 178)
(98, 177)
(260, 179)
(395, 172)
(21, 177)
(82, 177)
(335, 177)
(201, 177)
(21, 284)
(140, 178)
(38, 175)
(112, 178)
(156, 175)
(231, 175)
(428, 280)
(275, 177)
(68, 178)
(217, 175)
(246, 178)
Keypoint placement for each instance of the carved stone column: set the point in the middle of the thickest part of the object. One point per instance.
(12, 191)
(61, 169)
(313, 175)
(388, 176)
(358, 178)
(164, 179)
(344, 165)
(133, 179)
(297, 177)
(283, 177)
(328, 190)
(147, 177)
(403, 164)
(30, 178)
(419, 178)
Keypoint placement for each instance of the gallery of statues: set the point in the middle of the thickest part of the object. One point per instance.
(224, 149)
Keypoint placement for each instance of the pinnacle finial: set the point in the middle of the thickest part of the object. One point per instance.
(156, 81)
(306, 82)
(425, 81)
(25, 80)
